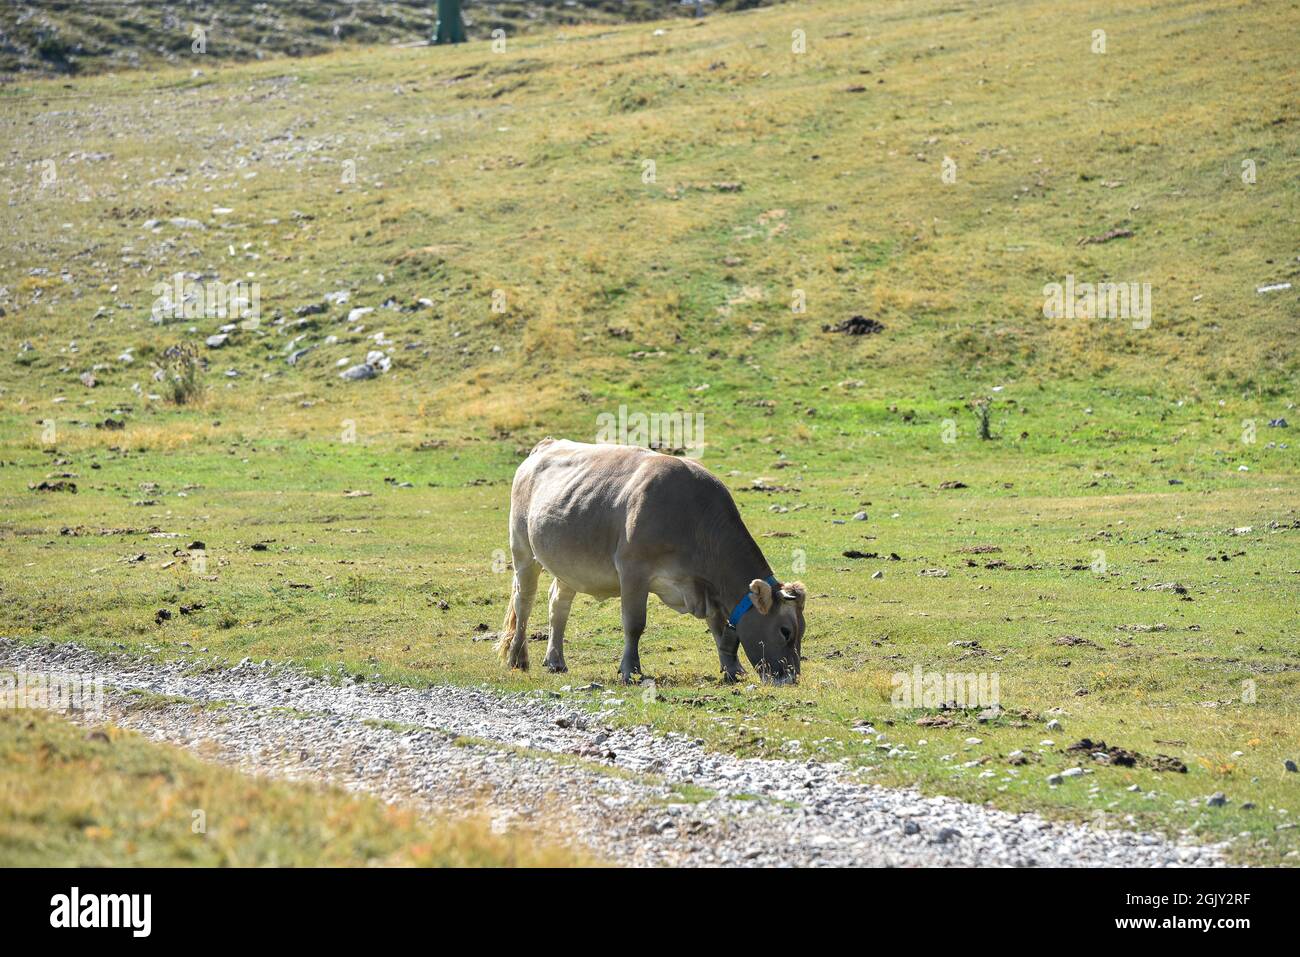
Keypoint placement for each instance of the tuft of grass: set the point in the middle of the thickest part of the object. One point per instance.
(983, 409)
(184, 370)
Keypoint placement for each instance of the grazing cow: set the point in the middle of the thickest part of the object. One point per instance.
(614, 520)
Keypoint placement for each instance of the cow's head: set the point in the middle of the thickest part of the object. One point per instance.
(773, 636)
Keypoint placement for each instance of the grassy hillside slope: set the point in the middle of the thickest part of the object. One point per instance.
(1123, 553)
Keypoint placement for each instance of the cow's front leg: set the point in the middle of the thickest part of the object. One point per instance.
(633, 599)
(561, 602)
(728, 643)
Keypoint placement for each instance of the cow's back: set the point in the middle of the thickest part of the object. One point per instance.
(578, 508)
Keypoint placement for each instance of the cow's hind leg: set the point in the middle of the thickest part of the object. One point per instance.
(634, 595)
(561, 602)
(513, 646)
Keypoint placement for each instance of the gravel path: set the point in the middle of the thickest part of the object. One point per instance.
(526, 759)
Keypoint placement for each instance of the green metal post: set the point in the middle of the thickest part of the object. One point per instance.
(451, 28)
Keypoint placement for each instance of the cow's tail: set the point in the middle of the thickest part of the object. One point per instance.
(515, 658)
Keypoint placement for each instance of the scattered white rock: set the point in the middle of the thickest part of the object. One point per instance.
(376, 362)
(359, 372)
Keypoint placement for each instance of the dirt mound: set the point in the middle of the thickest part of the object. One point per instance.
(1107, 754)
(856, 326)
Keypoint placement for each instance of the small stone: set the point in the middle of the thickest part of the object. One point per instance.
(1053, 725)
(1289, 765)
(1054, 779)
(217, 341)
(911, 827)
(859, 516)
(1217, 799)
(358, 373)
(1071, 772)
(947, 834)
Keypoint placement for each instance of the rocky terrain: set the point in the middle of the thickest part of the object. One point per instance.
(632, 796)
(72, 36)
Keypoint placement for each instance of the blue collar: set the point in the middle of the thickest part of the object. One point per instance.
(747, 603)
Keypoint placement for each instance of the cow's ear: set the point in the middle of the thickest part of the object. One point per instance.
(795, 592)
(761, 592)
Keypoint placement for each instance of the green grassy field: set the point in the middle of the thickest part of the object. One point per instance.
(509, 192)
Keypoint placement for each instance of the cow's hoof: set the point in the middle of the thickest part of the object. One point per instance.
(556, 667)
(629, 667)
(733, 672)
